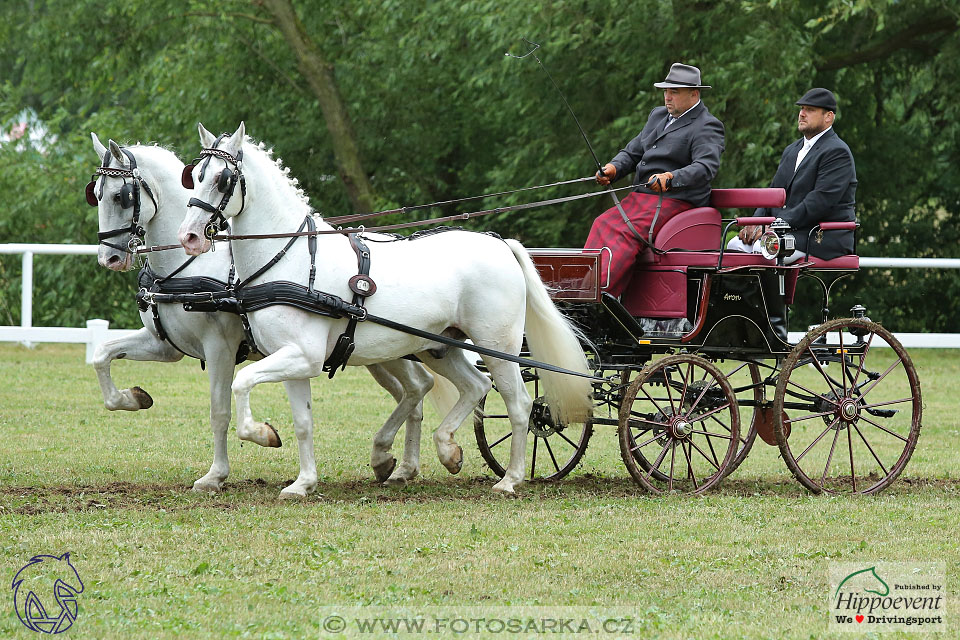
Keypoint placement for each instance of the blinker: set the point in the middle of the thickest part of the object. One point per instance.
(91, 193)
(186, 178)
(127, 196)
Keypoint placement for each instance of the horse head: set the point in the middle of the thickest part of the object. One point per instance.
(125, 204)
(214, 177)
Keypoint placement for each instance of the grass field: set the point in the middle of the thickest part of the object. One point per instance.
(749, 560)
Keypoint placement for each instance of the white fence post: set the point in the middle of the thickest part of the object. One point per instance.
(98, 334)
(26, 295)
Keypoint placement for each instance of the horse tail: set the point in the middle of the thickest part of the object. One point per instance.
(553, 339)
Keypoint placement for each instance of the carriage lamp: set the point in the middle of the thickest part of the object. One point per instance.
(770, 245)
(776, 242)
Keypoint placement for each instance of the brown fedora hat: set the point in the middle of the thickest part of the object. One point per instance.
(682, 76)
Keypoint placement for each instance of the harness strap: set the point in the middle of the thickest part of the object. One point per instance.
(345, 343)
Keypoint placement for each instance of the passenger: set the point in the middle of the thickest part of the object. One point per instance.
(678, 151)
(821, 182)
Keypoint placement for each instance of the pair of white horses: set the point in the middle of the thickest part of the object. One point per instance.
(454, 283)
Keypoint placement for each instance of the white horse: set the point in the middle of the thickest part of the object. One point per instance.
(158, 203)
(459, 283)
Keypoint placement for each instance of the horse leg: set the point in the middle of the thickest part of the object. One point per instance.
(298, 393)
(285, 364)
(220, 371)
(141, 345)
(408, 382)
(518, 403)
(472, 385)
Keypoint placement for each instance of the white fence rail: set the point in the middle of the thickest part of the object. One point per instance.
(98, 331)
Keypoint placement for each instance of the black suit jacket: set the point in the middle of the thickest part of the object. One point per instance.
(690, 149)
(822, 189)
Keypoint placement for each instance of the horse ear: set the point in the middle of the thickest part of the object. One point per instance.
(236, 140)
(117, 153)
(98, 146)
(207, 139)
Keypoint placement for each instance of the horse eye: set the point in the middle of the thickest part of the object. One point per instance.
(116, 197)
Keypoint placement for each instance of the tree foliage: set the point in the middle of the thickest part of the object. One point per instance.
(437, 112)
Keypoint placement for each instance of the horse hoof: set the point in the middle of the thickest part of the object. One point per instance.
(383, 470)
(292, 495)
(504, 489)
(273, 438)
(142, 397)
(395, 482)
(455, 463)
(207, 485)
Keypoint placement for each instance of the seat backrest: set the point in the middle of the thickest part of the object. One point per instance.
(694, 229)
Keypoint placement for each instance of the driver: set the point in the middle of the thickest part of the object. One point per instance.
(677, 154)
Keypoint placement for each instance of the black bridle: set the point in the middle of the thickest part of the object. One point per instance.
(226, 184)
(129, 197)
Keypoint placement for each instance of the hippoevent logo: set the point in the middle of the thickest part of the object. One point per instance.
(45, 593)
(887, 597)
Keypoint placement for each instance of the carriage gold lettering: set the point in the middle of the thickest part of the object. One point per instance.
(732, 296)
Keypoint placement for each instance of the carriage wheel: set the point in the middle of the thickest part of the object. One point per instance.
(744, 376)
(852, 408)
(553, 450)
(681, 417)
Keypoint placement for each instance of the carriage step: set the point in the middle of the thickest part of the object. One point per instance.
(622, 316)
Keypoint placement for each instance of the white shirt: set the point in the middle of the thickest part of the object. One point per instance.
(807, 145)
(672, 119)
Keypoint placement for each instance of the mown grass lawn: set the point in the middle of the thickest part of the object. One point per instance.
(749, 560)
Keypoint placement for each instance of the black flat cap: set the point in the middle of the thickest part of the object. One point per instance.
(819, 98)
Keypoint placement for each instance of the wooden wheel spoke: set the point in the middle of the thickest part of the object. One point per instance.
(533, 462)
(853, 473)
(882, 428)
(863, 359)
(656, 464)
(510, 433)
(690, 473)
(702, 416)
(810, 446)
(816, 362)
(716, 465)
(647, 442)
(553, 458)
(813, 394)
(823, 477)
(885, 403)
(864, 393)
(713, 435)
(872, 452)
(807, 417)
(566, 439)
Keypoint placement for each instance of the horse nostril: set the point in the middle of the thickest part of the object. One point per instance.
(113, 259)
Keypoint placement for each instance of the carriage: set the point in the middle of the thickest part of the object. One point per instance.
(694, 370)
(687, 364)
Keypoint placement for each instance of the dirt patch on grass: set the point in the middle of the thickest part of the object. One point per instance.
(260, 492)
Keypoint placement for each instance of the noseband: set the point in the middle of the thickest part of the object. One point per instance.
(129, 197)
(226, 184)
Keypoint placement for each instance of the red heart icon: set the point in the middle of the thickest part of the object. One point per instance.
(859, 619)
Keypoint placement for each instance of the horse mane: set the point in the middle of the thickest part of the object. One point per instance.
(277, 164)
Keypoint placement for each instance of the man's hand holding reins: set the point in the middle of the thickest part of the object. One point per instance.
(660, 182)
(609, 173)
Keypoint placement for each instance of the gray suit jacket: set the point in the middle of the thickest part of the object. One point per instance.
(690, 149)
(823, 188)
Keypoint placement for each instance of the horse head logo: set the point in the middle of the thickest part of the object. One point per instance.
(56, 581)
(866, 578)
